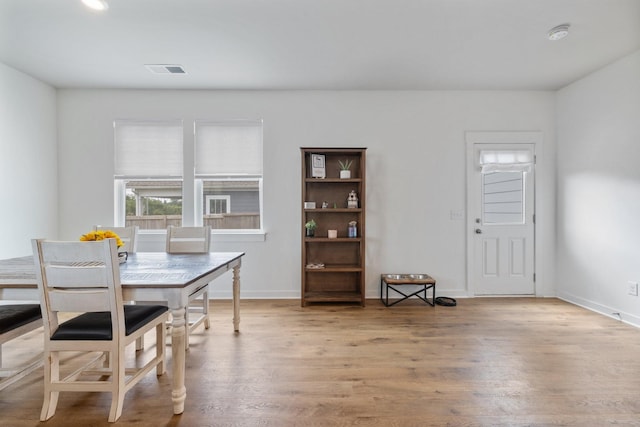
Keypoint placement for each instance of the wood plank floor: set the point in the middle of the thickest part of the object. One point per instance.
(487, 362)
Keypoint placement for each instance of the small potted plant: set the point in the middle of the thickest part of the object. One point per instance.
(345, 172)
(311, 228)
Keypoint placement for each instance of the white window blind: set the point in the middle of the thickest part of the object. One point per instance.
(151, 149)
(232, 148)
(505, 160)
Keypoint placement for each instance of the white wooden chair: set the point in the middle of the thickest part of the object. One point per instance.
(183, 240)
(82, 279)
(17, 320)
(128, 235)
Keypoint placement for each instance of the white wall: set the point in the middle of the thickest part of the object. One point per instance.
(28, 162)
(599, 189)
(416, 170)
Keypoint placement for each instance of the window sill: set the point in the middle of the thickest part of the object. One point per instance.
(216, 235)
(238, 236)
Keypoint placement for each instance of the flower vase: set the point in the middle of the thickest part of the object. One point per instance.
(345, 174)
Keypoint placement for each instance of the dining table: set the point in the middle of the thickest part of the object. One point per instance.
(148, 276)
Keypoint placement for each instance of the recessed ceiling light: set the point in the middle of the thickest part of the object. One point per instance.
(96, 4)
(559, 32)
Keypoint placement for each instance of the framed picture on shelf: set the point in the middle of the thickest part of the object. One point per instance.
(317, 166)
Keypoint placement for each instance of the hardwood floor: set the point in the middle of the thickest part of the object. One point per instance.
(487, 362)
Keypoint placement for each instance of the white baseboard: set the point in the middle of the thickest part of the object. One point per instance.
(267, 294)
(249, 294)
(601, 309)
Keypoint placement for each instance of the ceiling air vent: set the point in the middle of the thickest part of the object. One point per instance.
(165, 69)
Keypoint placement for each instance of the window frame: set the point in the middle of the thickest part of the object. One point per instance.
(192, 194)
(213, 197)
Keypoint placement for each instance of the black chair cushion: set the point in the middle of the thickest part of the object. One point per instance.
(13, 316)
(97, 326)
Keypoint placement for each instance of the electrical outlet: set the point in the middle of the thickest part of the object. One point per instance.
(632, 288)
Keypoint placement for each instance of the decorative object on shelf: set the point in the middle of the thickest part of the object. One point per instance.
(325, 205)
(311, 228)
(317, 166)
(353, 230)
(352, 200)
(315, 266)
(309, 205)
(106, 234)
(345, 172)
(332, 234)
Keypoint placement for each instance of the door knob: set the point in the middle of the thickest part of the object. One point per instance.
(478, 231)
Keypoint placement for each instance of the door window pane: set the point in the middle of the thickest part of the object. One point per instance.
(503, 198)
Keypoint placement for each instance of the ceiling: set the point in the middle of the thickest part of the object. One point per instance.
(316, 44)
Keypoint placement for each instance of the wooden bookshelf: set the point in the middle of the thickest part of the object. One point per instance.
(341, 277)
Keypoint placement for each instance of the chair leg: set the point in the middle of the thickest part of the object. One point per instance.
(205, 308)
(161, 339)
(117, 396)
(205, 313)
(51, 373)
(139, 341)
(117, 403)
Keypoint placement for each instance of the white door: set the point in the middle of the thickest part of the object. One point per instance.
(501, 219)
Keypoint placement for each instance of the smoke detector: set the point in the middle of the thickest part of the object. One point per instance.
(165, 68)
(559, 32)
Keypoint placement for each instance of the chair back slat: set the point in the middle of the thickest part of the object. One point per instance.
(76, 276)
(60, 253)
(181, 240)
(79, 301)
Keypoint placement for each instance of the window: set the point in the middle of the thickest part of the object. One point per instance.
(503, 184)
(503, 198)
(217, 204)
(148, 173)
(228, 173)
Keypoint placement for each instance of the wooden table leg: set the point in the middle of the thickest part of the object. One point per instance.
(179, 392)
(236, 298)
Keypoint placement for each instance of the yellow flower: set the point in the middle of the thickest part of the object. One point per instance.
(101, 235)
